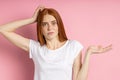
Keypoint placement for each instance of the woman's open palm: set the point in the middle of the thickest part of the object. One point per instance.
(99, 49)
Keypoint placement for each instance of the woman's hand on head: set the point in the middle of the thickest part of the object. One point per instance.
(98, 49)
(35, 15)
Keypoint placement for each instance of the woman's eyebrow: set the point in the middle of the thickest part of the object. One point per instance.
(53, 21)
(50, 21)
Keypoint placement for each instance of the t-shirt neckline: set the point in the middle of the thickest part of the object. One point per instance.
(50, 50)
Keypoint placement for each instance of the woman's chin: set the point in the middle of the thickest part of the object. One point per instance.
(51, 37)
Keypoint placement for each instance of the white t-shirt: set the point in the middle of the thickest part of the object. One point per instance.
(54, 64)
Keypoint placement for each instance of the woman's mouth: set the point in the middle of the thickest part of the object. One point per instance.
(50, 33)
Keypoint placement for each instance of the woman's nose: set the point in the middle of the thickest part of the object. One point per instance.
(49, 26)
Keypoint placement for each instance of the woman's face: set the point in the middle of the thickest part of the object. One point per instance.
(49, 27)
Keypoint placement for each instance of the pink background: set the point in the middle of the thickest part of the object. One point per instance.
(92, 22)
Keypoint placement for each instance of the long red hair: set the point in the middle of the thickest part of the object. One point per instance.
(61, 31)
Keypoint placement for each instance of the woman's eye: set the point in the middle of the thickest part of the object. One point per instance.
(44, 24)
(54, 23)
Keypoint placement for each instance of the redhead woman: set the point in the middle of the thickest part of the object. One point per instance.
(54, 55)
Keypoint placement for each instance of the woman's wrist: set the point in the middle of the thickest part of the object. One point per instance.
(32, 20)
(89, 52)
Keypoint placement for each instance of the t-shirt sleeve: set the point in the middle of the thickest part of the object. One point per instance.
(33, 46)
(77, 48)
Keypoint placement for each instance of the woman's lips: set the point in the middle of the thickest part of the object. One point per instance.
(49, 33)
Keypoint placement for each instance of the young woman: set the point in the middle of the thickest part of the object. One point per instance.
(54, 55)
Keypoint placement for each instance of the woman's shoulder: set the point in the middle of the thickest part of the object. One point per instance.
(74, 41)
(35, 42)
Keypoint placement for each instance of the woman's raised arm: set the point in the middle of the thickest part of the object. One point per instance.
(7, 30)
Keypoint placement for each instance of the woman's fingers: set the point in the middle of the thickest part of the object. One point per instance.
(39, 8)
(42, 7)
(107, 48)
(100, 49)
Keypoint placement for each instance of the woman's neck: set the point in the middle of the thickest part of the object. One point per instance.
(54, 44)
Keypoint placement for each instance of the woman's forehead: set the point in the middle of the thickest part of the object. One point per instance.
(48, 18)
